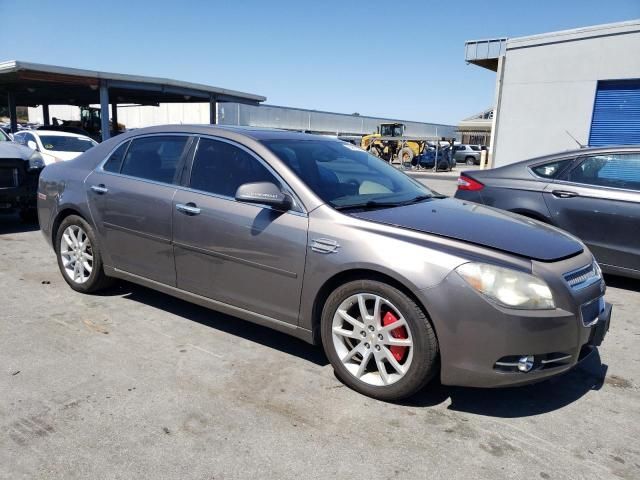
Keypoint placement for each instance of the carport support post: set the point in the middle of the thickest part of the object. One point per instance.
(213, 110)
(104, 110)
(45, 114)
(114, 116)
(11, 100)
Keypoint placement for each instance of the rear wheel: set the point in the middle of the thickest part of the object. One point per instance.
(79, 257)
(470, 161)
(379, 342)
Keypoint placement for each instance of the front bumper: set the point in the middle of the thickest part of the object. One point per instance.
(476, 336)
(23, 196)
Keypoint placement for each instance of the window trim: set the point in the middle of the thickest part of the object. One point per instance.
(298, 207)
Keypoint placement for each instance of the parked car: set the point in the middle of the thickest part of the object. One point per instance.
(53, 145)
(427, 159)
(593, 193)
(19, 170)
(317, 238)
(4, 137)
(469, 154)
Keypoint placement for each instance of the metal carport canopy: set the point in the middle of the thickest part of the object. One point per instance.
(32, 84)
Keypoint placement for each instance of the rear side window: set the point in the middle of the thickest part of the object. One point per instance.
(155, 158)
(115, 160)
(220, 168)
(552, 169)
(615, 170)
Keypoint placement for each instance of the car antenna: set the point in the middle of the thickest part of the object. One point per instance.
(575, 140)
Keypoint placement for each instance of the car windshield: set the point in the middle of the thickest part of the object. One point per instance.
(63, 143)
(346, 176)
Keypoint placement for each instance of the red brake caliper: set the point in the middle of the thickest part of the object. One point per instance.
(400, 332)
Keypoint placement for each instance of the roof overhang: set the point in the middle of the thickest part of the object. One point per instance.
(485, 53)
(36, 84)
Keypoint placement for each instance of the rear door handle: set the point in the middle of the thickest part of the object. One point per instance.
(188, 208)
(99, 189)
(564, 194)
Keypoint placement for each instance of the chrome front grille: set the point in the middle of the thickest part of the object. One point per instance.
(583, 277)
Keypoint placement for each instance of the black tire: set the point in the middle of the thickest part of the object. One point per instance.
(97, 279)
(425, 363)
(470, 161)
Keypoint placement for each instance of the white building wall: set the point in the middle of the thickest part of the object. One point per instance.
(549, 89)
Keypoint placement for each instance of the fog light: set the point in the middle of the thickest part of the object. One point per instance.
(525, 363)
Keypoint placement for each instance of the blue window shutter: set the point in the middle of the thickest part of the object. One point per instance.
(616, 114)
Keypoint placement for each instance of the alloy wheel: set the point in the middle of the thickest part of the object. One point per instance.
(372, 339)
(76, 253)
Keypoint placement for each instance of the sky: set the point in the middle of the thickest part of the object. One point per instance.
(392, 59)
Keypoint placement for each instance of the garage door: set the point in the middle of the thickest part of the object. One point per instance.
(616, 114)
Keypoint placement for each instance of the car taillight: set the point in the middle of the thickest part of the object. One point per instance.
(468, 183)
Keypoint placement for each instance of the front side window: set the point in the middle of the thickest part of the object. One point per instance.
(618, 170)
(220, 168)
(551, 169)
(155, 158)
(346, 176)
(62, 143)
(4, 137)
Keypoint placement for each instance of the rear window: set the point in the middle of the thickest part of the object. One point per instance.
(61, 143)
(475, 148)
(155, 158)
(552, 169)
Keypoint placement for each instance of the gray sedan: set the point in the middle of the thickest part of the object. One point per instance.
(593, 193)
(316, 238)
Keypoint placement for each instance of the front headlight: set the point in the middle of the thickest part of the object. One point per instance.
(509, 288)
(36, 161)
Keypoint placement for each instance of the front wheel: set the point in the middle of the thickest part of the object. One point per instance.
(79, 257)
(378, 340)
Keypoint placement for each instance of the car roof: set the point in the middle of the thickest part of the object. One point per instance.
(57, 133)
(256, 133)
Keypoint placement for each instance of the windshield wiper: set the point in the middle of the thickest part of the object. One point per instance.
(370, 205)
(373, 204)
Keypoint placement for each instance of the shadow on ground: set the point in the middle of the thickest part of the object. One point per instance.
(622, 282)
(11, 223)
(224, 323)
(524, 401)
(516, 402)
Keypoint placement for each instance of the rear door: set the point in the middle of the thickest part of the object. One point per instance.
(130, 198)
(598, 200)
(246, 255)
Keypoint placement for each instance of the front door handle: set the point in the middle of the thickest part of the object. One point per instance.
(188, 208)
(99, 189)
(564, 194)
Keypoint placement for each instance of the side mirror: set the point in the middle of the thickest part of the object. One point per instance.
(32, 145)
(264, 193)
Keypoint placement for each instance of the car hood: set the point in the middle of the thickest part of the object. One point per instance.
(479, 225)
(59, 155)
(14, 150)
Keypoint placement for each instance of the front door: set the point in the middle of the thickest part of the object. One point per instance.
(130, 199)
(246, 255)
(598, 200)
